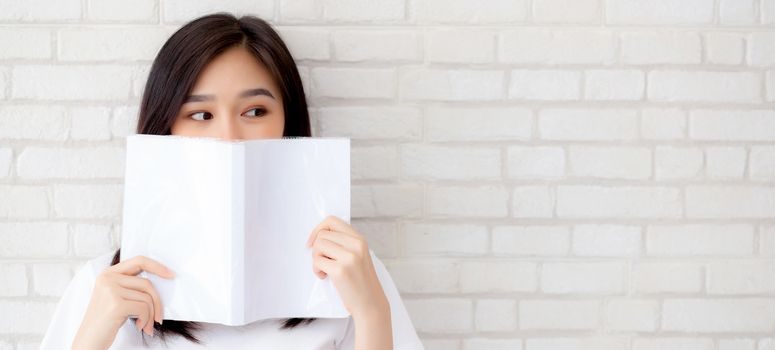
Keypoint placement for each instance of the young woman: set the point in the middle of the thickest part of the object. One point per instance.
(219, 76)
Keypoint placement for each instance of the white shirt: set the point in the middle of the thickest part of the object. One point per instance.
(323, 333)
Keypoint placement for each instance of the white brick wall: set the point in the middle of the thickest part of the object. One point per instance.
(536, 174)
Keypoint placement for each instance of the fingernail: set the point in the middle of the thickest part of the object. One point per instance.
(161, 321)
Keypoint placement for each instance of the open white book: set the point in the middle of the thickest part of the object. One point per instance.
(231, 219)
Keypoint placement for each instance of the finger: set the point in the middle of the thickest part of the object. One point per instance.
(144, 285)
(134, 295)
(331, 223)
(353, 244)
(139, 263)
(322, 266)
(140, 310)
(329, 249)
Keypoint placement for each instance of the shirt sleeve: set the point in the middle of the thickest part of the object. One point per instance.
(71, 308)
(404, 335)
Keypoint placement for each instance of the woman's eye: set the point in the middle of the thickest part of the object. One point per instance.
(202, 116)
(255, 112)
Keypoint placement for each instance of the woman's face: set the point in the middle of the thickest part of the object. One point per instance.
(234, 98)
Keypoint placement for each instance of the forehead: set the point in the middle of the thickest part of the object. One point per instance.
(233, 71)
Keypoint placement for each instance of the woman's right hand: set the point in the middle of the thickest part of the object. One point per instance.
(118, 294)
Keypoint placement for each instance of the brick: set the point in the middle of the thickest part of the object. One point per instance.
(761, 50)
(480, 201)
(767, 240)
(663, 124)
(460, 46)
(25, 43)
(478, 124)
(307, 44)
(704, 86)
(588, 124)
(51, 279)
(685, 343)
(768, 12)
(609, 163)
(39, 10)
(371, 122)
(531, 240)
(438, 239)
(33, 239)
(567, 11)
(678, 162)
(725, 162)
(505, 277)
(30, 317)
(718, 315)
(632, 315)
(386, 200)
(27, 122)
(124, 121)
(585, 342)
(582, 278)
(23, 202)
(674, 47)
(754, 125)
(540, 162)
(382, 237)
(430, 162)
(618, 202)
(178, 11)
(353, 83)
(559, 314)
(451, 85)
(52, 163)
(424, 276)
(749, 277)
(300, 10)
(89, 123)
(606, 240)
(91, 240)
(376, 45)
(488, 343)
(556, 46)
(469, 11)
(614, 85)
(738, 12)
(762, 163)
(121, 11)
(371, 10)
(6, 160)
(666, 277)
(374, 162)
(533, 202)
(13, 280)
(545, 85)
(448, 315)
(682, 12)
(88, 201)
(730, 202)
(699, 240)
(724, 48)
(94, 82)
(109, 44)
(493, 315)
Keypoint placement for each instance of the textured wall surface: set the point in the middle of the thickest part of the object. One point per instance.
(536, 174)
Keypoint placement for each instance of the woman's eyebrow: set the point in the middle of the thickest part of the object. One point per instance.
(246, 93)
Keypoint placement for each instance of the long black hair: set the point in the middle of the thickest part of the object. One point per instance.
(174, 73)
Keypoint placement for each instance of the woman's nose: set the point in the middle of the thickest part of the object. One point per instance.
(228, 129)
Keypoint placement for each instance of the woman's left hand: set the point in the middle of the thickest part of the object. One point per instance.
(340, 252)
